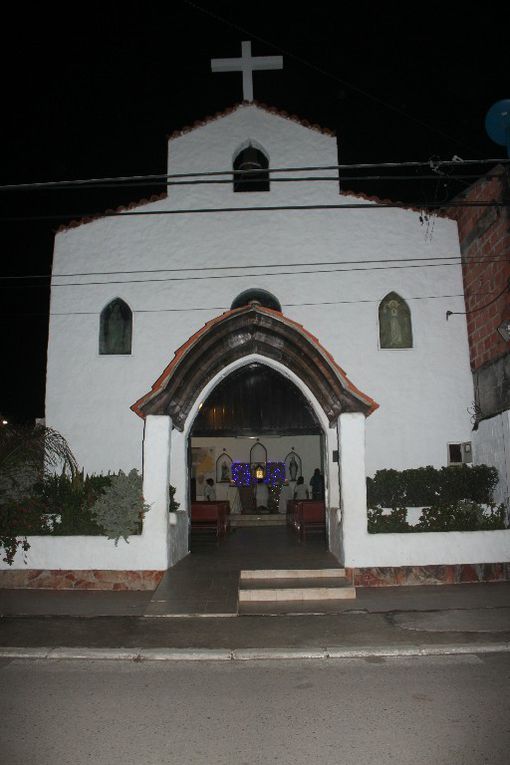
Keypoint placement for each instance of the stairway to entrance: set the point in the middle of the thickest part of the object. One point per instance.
(210, 580)
(293, 590)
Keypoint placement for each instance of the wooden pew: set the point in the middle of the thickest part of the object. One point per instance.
(312, 517)
(208, 518)
(225, 514)
(291, 513)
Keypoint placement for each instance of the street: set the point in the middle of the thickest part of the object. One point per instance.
(451, 710)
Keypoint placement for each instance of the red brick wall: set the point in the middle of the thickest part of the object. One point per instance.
(485, 237)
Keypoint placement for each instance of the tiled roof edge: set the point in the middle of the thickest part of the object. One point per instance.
(131, 206)
(384, 201)
(240, 104)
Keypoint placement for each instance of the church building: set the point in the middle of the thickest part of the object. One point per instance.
(260, 314)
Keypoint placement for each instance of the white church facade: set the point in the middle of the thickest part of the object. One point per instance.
(339, 297)
(330, 266)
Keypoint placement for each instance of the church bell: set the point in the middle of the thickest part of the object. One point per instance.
(250, 160)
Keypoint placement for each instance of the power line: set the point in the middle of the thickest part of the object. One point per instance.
(226, 308)
(88, 217)
(249, 267)
(481, 307)
(170, 178)
(326, 73)
(209, 277)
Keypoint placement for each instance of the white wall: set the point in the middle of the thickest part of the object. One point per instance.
(424, 392)
(427, 548)
(361, 549)
(142, 553)
(491, 446)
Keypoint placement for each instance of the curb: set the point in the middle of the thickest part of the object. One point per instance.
(250, 654)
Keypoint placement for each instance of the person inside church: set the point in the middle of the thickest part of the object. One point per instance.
(301, 491)
(317, 484)
(261, 495)
(210, 491)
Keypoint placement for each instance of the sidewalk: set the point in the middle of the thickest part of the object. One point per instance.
(381, 621)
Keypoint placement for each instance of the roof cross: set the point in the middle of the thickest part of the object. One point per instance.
(247, 64)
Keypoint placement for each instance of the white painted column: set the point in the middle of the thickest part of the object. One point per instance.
(351, 441)
(333, 499)
(156, 477)
(178, 546)
(332, 493)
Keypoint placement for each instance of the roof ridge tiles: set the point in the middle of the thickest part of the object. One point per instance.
(243, 104)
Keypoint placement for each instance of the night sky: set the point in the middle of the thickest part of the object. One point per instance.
(95, 95)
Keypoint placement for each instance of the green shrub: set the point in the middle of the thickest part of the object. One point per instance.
(17, 521)
(424, 486)
(120, 509)
(71, 499)
(172, 504)
(464, 515)
(396, 521)
(455, 499)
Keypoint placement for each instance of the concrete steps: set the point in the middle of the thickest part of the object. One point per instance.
(293, 590)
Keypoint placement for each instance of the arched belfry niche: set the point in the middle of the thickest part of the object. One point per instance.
(239, 333)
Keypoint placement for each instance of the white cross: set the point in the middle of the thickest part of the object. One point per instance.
(247, 65)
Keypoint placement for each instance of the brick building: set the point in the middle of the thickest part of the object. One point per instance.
(484, 234)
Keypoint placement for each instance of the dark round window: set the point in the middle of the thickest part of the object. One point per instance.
(263, 297)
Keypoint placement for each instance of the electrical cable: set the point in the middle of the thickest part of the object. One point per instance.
(226, 308)
(249, 267)
(481, 307)
(325, 73)
(88, 217)
(209, 277)
(163, 178)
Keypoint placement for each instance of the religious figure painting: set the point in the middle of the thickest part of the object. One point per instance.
(395, 329)
(115, 328)
(224, 468)
(202, 466)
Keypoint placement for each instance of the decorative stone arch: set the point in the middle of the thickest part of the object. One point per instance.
(236, 338)
(239, 333)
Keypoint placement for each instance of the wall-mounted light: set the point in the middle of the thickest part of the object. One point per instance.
(504, 330)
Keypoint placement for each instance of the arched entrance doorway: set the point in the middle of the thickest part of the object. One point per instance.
(248, 335)
(255, 420)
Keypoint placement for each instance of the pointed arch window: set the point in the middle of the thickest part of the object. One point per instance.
(115, 328)
(251, 170)
(395, 328)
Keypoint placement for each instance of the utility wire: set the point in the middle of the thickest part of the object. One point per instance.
(163, 178)
(209, 277)
(249, 179)
(87, 217)
(226, 308)
(481, 307)
(325, 72)
(230, 267)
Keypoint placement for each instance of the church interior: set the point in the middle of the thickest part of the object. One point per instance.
(252, 446)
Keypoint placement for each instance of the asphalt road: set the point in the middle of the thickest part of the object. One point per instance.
(453, 710)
